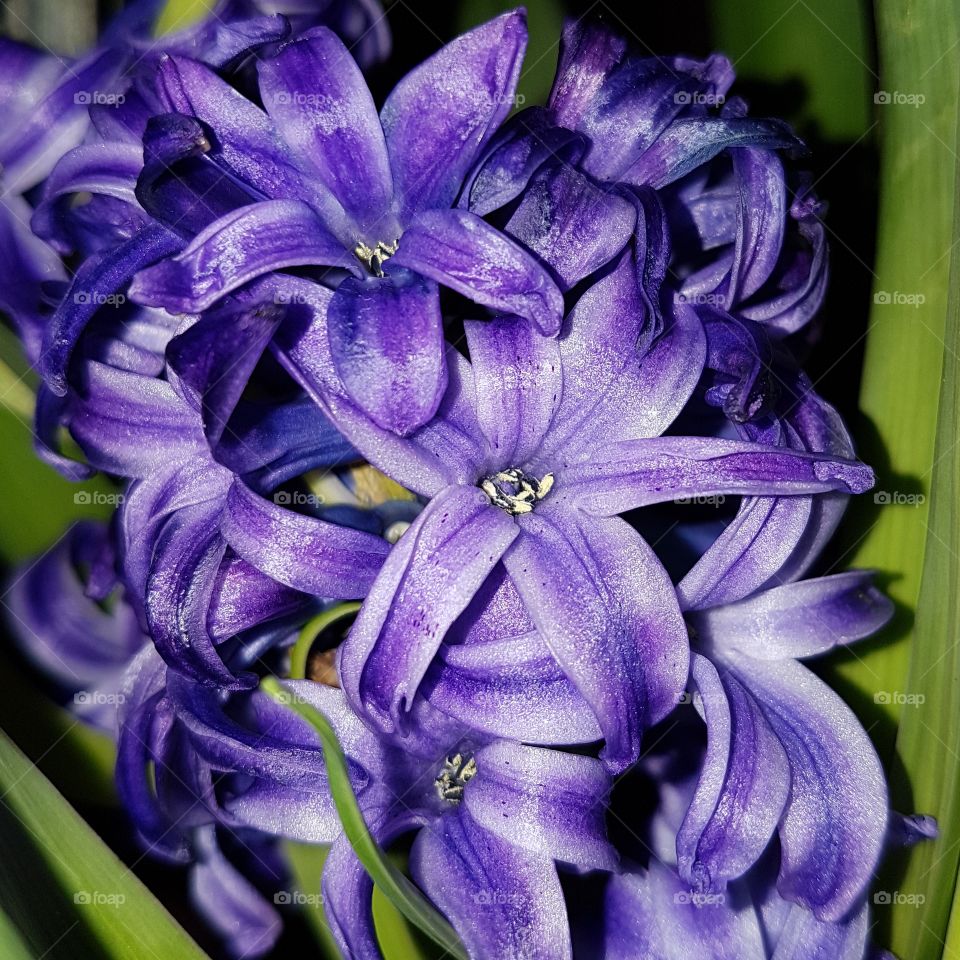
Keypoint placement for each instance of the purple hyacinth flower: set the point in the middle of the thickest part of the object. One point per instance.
(158, 411)
(538, 445)
(785, 753)
(495, 814)
(53, 611)
(332, 184)
(654, 915)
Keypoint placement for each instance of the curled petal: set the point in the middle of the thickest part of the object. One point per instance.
(506, 904)
(99, 278)
(386, 342)
(428, 580)
(236, 249)
(606, 608)
(640, 472)
(798, 620)
(742, 789)
(304, 553)
(459, 250)
(438, 118)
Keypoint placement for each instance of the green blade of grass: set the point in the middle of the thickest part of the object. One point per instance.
(62, 889)
(909, 396)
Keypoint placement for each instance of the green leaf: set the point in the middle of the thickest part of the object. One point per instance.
(820, 43)
(181, 14)
(62, 889)
(306, 862)
(403, 894)
(909, 395)
(28, 487)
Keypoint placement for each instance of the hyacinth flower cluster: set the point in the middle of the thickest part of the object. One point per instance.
(515, 387)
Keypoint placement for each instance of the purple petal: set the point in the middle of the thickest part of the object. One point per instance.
(305, 553)
(182, 579)
(61, 628)
(447, 450)
(514, 154)
(230, 903)
(248, 143)
(244, 597)
(318, 98)
(804, 937)
(742, 789)
(573, 225)
(640, 472)
(506, 904)
(109, 169)
(180, 184)
(833, 831)
(510, 688)
(607, 610)
(438, 118)
(761, 218)
(612, 392)
(55, 123)
(751, 551)
(99, 278)
(463, 252)
(216, 356)
(386, 341)
(428, 580)
(28, 264)
(798, 620)
(348, 891)
(544, 801)
(146, 728)
(277, 746)
(688, 144)
(132, 425)
(518, 379)
(273, 444)
(655, 915)
(235, 249)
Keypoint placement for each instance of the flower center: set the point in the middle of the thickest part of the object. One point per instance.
(454, 776)
(515, 491)
(373, 258)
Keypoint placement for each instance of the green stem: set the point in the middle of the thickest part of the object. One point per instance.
(403, 894)
(308, 635)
